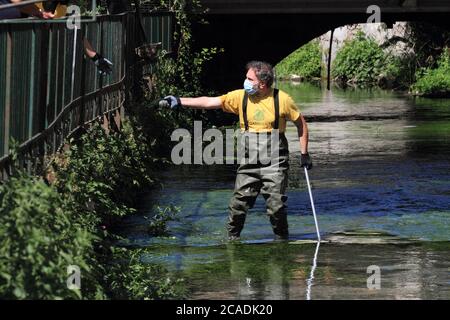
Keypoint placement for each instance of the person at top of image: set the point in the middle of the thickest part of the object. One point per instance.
(30, 10)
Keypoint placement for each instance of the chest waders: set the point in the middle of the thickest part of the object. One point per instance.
(254, 178)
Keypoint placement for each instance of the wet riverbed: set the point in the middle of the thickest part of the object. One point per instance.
(381, 183)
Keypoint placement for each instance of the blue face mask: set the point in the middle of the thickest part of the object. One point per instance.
(248, 87)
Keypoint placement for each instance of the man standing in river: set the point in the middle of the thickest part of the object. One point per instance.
(261, 109)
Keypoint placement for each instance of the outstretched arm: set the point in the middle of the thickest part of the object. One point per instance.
(103, 64)
(202, 103)
(206, 103)
(88, 49)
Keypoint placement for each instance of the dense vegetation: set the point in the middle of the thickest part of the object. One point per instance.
(70, 216)
(360, 60)
(420, 67)
(434, 82)
(47, 227)
(304, 62)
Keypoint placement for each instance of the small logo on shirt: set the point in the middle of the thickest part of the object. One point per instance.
(259, 115)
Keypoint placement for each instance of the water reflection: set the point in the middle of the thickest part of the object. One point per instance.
(313, 269)
(297, 271)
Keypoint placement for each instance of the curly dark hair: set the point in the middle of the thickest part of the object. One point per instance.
(263, 70)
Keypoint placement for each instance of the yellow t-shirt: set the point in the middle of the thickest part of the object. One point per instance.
(260, 111)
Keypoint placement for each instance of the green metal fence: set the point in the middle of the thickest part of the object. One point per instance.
(48, 89)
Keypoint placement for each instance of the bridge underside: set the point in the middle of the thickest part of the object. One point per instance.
(322, 6)
(271, 37)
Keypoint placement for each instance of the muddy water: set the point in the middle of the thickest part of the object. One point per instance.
(381, 183)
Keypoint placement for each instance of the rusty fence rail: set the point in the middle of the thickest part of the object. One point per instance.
(49, 90)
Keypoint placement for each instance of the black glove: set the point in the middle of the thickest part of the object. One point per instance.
(171, 101)
(103, 64)
(306, 161)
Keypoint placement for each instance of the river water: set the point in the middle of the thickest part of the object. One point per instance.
(381, 184)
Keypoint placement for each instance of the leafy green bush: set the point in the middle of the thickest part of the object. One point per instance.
(399, 70)
(38, 241)
(129, 278)
(44, 229)
(102, 174)
(434, 82)
(305, 62)
(360, 60)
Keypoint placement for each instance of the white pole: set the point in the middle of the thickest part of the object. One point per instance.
(312, 204)
(74, 60)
